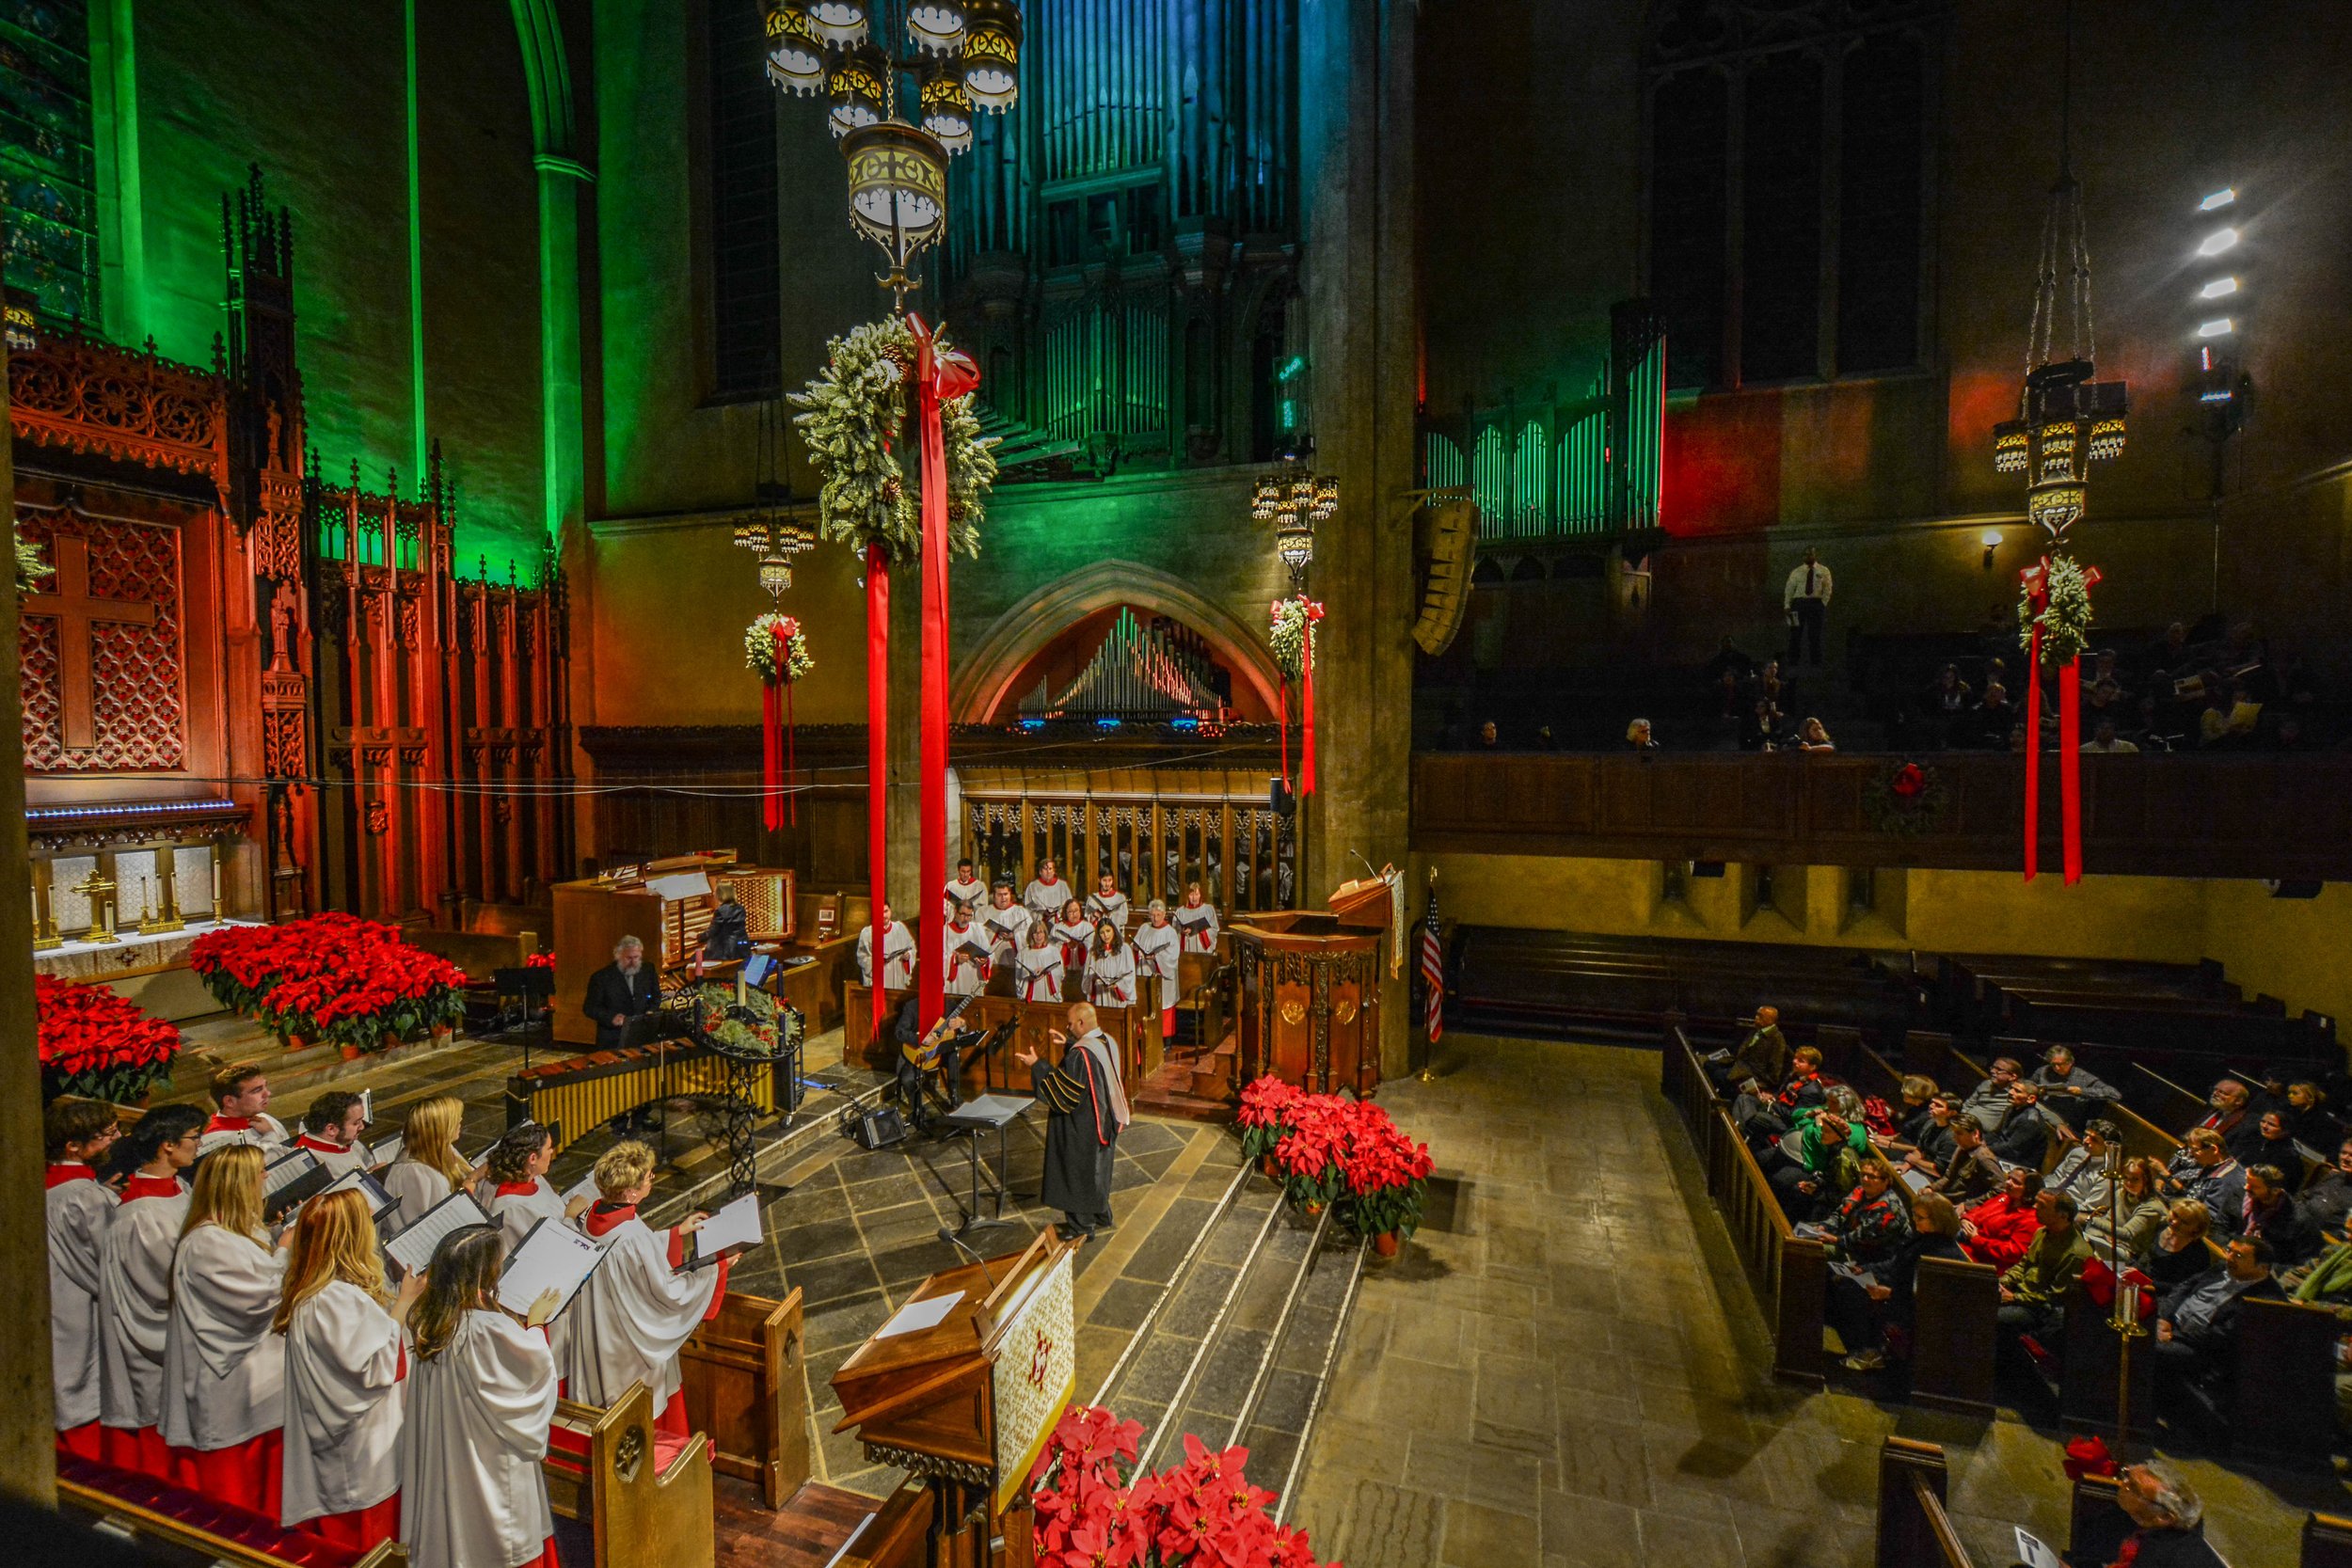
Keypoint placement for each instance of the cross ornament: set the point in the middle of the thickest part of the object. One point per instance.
(77, 611)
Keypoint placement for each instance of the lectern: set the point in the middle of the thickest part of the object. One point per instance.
(963, 1387)
(1310, 991)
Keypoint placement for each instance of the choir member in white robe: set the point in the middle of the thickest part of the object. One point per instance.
(897, 954)
(1159, 953)
(481, 1398)
(225, 1388)
(966, 970)
(346, 1354)
(330, 1131)
(521, 1196)
(428, 1168)
(966, 889)
(134, 1287)
(241, 1110)
(1007, 923)
(1197, 919)
(1076, 934)
(74, 1134)
(1107, 902)
(1110, 969)
(1037, 972)
(636, 1312)
(1046, 892)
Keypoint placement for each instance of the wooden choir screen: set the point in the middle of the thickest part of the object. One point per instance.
(1156, 829)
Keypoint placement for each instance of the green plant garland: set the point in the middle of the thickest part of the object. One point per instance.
(1290, 633)
(30, 566)
(854, 422)
(2065, 618)
(1904, 800)
(759, 650)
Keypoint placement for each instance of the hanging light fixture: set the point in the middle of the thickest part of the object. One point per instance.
(898, 190)
(1294, 499)
(839, 22)
(946, 109)
(936, 25)
(991, 54)
(856, 84)
(795, 55)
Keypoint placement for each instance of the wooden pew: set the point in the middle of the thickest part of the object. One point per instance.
(2279, 1401)
(1914, 1530)
(2326, 1541)
(2172, 1106)
(173, 1526)
(746, 1387)
(616, 1500)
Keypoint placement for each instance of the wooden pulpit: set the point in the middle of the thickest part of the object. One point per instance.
(1310, 991)
(963, 1387)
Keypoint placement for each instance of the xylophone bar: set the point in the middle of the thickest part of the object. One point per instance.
(582, 1093)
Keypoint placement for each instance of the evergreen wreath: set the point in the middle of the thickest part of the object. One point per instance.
(776, 649)
(2065, 618)
(31, 567)
(1291, 633)
(854, 422)
(1904, 800)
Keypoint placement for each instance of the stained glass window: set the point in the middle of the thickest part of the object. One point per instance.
(46, 158)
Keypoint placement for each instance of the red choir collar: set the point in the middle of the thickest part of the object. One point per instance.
(313, 1141)
(1049, 882)
(65, 1171)
(516, 1189)
(151, 1186)
(605, 1217)
(228, 1124)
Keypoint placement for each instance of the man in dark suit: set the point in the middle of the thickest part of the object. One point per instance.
(2196, 1320)
(621, 990)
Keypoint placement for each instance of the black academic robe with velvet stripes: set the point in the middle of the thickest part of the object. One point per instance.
(1080, 1126)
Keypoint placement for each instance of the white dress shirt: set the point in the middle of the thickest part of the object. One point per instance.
(1805, 583)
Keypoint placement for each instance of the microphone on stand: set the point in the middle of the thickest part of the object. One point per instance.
(965, 1247)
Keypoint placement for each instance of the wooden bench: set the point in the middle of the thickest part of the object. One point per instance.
(624, 1495)
(176, 1525)
(745, 1387)
(1914, 1530)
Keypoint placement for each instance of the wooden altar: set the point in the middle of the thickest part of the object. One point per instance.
(966, 1403)
(1139, 1043)
(1310, 992)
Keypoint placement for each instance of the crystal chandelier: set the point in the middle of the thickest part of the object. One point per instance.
(771, 530)
(1294, 499)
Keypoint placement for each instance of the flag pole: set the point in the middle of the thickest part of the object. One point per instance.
(1433, 976)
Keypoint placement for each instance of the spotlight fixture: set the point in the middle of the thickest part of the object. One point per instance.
(1293, 500)
(2219, 326)
(1991, 540)
(2218, 242)
(2218, 200)
(2219, 287)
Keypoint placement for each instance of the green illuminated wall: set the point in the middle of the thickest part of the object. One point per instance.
(188, 95)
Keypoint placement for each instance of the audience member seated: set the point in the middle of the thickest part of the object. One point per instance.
(1971, 1172)
(2231, 716)
(1812, 737)
(2104, 704)
(1988, 1101)
(2275, 1146)
(1822, 1155)
(2105, 741)
(1756, 1113)
(2327, 1199)
(1912, 1117)
(2271, 1215)
(1950, 705)
(2128, 1219)
(1872, 1224)
(1763, 1055)
(1638, 736)
(2023, 1137)
(2167, 1522)
(1994, 715)
(2081, 1173)
(2204, 1171)
(2308, 1117)
(1999, 1229)
(1760, 729)
(1933, 1144)
(1808, 1084)
(2178, 1254)
(1869, 1313)
(1774, 688)
(2197, 1321)
(2033, 1289)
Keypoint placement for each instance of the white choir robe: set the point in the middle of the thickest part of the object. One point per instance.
(223, 1383)
(517, 1207)
(417, 1186)
(1111, 907)
(472, 1494)
(263, 1131)
(962, 974)
(343, 1404)
(1199, 923)
(337, 1160)
(1077, 942)
(898, 957)
(630, 1320)
(974, 893)
(1111, 978)
(1008, 929)
(79, 1207)
(1037, 974)
(1159, 951)
(1044, 899)
(134, 1300)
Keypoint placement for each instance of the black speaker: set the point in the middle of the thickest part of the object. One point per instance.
(2294, 887)
(1278, 797)
(876, 1129)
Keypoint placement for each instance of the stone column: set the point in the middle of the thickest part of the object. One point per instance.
(1356, 147)
(28, 1463)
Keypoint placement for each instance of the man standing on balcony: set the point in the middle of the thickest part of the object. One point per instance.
(1805, 597)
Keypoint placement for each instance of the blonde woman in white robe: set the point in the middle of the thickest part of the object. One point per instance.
(345, 1358)
(637, 1310)
(428, 1167)
(224, 1389)
(135, 1289)
(481, 1397)
(74, 1132)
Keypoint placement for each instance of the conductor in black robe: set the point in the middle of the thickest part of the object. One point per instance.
(1086, 1106)
(619, 991)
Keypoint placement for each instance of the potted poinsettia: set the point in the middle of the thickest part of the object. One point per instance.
(97, 1044)
(331, 979)
(1306, 1156)
(1386, 1176)
(1262, 1104)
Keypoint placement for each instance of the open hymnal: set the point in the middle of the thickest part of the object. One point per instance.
(367, 1107)
(380, 1202)
(2033, 1553)
(735, 1225)
(917, 1316)
(551, 1257)
(412, 1249)
(289, 1179)
(1915, 1182)
(585, 1187)
(385, 1149)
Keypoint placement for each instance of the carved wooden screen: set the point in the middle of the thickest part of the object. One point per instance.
(1156, 829)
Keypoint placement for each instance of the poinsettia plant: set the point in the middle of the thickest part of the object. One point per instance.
(330, 977)
(1330, 1148)
(97, 1044)
(1202, 1513)
(1261, 1119)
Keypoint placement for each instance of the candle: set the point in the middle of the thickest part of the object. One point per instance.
(738, 988)
(215, 911)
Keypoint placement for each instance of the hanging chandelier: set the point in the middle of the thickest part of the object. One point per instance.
(771, 530)
(964, 55)
(1292, 499)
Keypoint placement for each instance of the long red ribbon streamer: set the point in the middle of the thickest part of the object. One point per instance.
(792, 795)
(2033, 755)
(1307, 715)
(2070, 769)
(770, 785)
(878, 755)
(1286, 721)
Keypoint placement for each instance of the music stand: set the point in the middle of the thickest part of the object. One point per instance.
(657, 1027)
(970, 1120)
(527, 985)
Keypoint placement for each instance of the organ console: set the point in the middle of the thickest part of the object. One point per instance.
(667, 904)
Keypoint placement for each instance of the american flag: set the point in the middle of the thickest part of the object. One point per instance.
(1432, 971)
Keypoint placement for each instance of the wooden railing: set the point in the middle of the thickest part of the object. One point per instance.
(1154, 830)
(1914, 1530)
(2150, 816)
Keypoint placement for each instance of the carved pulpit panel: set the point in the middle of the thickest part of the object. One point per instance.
(99, 647)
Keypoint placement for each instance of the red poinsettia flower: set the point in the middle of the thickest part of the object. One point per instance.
(1909, 781)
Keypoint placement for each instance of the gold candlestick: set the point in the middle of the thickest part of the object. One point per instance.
(99, 890)
(44, 931)
(166, 918)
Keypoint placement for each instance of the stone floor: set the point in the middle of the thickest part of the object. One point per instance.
(1566, 1366)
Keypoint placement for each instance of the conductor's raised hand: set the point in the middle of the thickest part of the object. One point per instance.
(1056, 1036)
(1027, 1058)
(543, 1308)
